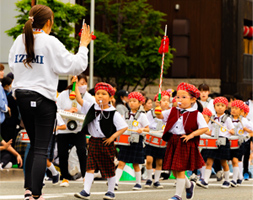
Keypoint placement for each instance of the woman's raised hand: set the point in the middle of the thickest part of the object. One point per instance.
(86, 35)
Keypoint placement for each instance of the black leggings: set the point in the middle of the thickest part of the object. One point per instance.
(38, 114)
(64, 141)
(246, 157)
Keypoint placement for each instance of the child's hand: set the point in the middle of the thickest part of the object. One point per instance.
(140, 130)
(73, 110)
(187, 137)
(108, 141)
(232, 132)
(74, 79)
(19, 160)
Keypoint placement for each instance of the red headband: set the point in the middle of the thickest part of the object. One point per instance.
(238, 104)
(245, 108)
(207, 112)
(136, 95)
(220, 100)
(191, 89)
(105, 86)
(164, 93)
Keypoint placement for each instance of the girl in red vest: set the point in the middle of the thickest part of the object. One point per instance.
(184, 125)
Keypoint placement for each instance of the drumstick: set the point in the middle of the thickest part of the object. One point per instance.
(219, 124)
(145, 132)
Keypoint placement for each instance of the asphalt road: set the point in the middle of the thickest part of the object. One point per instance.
(14, 190)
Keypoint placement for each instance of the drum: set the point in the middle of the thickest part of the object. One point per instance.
(234, 142)
(123, 139)
(155, 139)
(24, 136)
(207, 142)
(71, 116)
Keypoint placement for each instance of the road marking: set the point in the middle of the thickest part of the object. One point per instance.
(59, 195)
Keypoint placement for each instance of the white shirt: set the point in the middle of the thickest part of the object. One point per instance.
(51, 59)
(60, 121)
(250, 115)
(239, 129)
(210, 106)
(94, 126)
(222, 132)
(64, 103)
(178, 127)
(153, 121)
(142, 122)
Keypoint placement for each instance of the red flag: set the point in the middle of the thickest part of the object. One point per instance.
(164, 48)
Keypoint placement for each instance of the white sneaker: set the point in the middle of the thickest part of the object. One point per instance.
(64, 183)
(8, 166)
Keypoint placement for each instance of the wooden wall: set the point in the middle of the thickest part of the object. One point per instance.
(205, 33)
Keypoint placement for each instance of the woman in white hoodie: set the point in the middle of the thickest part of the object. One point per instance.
(36, 59)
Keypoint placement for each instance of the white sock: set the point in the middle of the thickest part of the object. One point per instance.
(240, 175)
(138, 177)
(202, 172)
(149, 174)
(226, 173)
(53, 170)
(111, 184)
(89, 177)
(188, 183)
(207, 175)
(118, 175)
(235, 173)
(157, 175)
(180, 186)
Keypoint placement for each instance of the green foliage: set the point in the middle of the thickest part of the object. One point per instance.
(64, 15)
(128, 48)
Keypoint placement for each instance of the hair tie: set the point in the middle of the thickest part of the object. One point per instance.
(31, 18)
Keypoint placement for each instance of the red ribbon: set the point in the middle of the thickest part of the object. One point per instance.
(164, 48)
(93, 37)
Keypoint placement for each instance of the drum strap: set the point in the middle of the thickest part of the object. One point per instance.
(216, 130)
(159, 124)
(153, 113)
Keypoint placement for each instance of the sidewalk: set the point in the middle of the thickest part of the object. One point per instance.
(12, 174)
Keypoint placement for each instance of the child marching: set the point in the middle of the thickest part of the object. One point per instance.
(207, 114)
(184, 125)
(137, 123)
(104, 125)
(243, 130)
(156, 151)
(221, 127)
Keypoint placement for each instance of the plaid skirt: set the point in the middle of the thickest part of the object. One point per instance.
(182, 156)
(155, 152)
(222, 153)
(238, 153)
(133, 153)
(101, 157)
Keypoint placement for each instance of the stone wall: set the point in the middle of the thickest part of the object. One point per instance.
(169, 83)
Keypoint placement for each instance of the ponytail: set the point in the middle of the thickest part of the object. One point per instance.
(29, 43)
(38, 16)
(200, 107)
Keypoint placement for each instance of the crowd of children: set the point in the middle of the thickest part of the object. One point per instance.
(180, 118)
(181, 125)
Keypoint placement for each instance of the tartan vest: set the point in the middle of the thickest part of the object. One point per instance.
(189, 121)
(106, 125)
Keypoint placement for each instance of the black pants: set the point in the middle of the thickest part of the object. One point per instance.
(64, 141)
(9, 132)
(246, 157)
(5, 157)
(38, 114)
